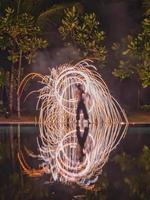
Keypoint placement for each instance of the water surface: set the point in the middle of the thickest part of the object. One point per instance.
(17, 186)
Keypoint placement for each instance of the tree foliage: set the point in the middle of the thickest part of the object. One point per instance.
(133, 54)
(19, 36)
(19, 32)
(83, 31)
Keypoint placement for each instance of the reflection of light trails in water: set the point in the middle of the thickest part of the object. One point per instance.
(58, 144)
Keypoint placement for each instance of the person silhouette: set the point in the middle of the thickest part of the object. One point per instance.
(82, 140)
(81, 104)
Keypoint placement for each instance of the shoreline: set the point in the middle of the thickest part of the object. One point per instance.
(137, 118)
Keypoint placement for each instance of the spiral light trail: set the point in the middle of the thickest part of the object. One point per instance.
(58, 143)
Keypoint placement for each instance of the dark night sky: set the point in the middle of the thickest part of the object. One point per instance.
(118, 17)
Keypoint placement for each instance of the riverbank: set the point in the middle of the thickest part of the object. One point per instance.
(139, 117)
(136, 117)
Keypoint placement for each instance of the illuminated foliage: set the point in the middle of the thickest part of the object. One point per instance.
(133, 54)
(19, 35)
(19, 32)
(83, 31)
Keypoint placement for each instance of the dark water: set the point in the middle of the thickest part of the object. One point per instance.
(14, 185)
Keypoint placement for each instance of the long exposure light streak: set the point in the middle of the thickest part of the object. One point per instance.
(57, 143)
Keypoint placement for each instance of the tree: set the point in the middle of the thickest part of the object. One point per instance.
(19, 35)
(2, 77)
(83, 31)
(133, 54)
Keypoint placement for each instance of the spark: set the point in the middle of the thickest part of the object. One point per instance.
(57, 143)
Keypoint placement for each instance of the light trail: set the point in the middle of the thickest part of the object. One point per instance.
(58, 143)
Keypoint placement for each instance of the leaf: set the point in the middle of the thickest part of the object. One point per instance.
(125, 52)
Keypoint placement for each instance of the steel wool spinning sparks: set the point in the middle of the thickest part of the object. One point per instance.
(59, 149)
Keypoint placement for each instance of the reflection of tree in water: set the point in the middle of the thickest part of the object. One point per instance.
(132, 181)
(13, 185)
(135, 174)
